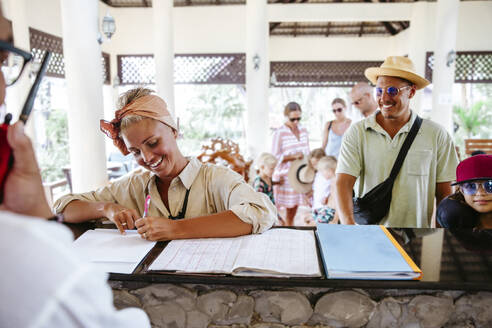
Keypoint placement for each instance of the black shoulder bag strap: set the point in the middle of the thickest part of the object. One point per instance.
(405, 147)
(182, 213)
(329, 126)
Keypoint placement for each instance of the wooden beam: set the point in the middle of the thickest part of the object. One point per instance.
(361, 31)
(389, 27)
(328, 29)
(273, 26)
(295, 30)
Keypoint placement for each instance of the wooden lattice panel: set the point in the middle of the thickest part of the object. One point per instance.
(319, 74)
(136, 69)
(210, 69)
(40, 42)
(188, 69)
(471, 67)
(105, 59)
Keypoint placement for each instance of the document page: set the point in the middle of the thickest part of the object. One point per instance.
(207, 255)
(279, 252)
(112, 251)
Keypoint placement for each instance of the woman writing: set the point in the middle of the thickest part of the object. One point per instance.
(290, 142)
(334, 130)
(188, 199)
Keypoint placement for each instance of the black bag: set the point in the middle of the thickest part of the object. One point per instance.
(373, 206)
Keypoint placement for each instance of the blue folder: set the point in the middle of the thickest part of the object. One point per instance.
(363, 252)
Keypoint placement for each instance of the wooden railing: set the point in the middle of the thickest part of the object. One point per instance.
(472, 145)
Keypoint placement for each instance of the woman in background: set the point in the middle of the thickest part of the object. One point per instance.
(290, 142)
(334, 130)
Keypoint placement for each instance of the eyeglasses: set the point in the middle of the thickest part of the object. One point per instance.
(471, 188)
(337, 110)
(357, 102)
(13, 61)
(293, 119)
(391, 91)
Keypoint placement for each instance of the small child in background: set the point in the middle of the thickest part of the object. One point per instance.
(265, 163)
(314, 156)
(323, 204)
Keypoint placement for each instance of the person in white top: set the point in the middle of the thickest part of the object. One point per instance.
(43, 283)
(323, 193)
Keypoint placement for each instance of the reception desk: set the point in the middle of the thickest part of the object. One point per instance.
(456, 292)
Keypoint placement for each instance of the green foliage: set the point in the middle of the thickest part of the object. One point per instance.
(55, 152)
(211, 111)
(474, 121)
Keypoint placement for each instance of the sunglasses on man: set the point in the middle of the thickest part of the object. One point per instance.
(13, 60)
(390, 91)
(294, 119)
(471, 188)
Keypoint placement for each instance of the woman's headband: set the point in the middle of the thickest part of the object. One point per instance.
(150, 106)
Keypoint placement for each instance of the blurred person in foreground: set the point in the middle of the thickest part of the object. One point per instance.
(44, 283)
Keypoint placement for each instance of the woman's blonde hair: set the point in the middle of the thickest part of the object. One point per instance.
(292, 107)
(316, 153)
(339, 101)
(129, 97)
(327, 162)
(265, 159)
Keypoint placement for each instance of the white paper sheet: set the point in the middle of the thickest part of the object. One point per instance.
(288, 252)
(277, 252)
(199, 255)
(110, 250)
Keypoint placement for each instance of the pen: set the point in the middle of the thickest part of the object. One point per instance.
(146, 208)
(28, 105)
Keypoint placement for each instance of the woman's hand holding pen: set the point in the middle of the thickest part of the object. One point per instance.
(155, 228)
(123, 217)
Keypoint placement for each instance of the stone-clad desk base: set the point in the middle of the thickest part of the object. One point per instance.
(180, 300)
(260, 306)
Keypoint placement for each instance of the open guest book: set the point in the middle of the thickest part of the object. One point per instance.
(364, 252)
(276, 252)
(111, 251)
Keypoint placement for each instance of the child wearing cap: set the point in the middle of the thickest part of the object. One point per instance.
(471, 205)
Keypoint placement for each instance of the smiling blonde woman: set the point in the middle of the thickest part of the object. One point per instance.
(188, 199)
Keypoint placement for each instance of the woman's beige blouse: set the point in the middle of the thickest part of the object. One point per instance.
(213, 189)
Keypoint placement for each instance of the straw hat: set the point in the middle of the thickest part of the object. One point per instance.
(478, 167)
(300, 175)
(397, 66)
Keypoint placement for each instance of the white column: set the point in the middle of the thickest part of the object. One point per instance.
(257, 77)
(431, 254)
(418, 45)
(83, 72)
(443, 75)
(164, 50)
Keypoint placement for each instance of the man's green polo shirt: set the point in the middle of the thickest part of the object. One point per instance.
(368, 153)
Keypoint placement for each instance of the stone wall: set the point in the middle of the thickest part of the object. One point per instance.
(199, 306)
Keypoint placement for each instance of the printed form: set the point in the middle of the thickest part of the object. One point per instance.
(277, 252)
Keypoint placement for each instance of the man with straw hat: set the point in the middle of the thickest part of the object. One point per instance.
(370, 147)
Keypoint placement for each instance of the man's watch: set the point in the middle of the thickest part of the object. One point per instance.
(59, 217)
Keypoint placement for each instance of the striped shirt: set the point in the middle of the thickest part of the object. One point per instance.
(286, 143)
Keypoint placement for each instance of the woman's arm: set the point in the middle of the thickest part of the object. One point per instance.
(219, 225)
(79, 211)
(325, 136)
